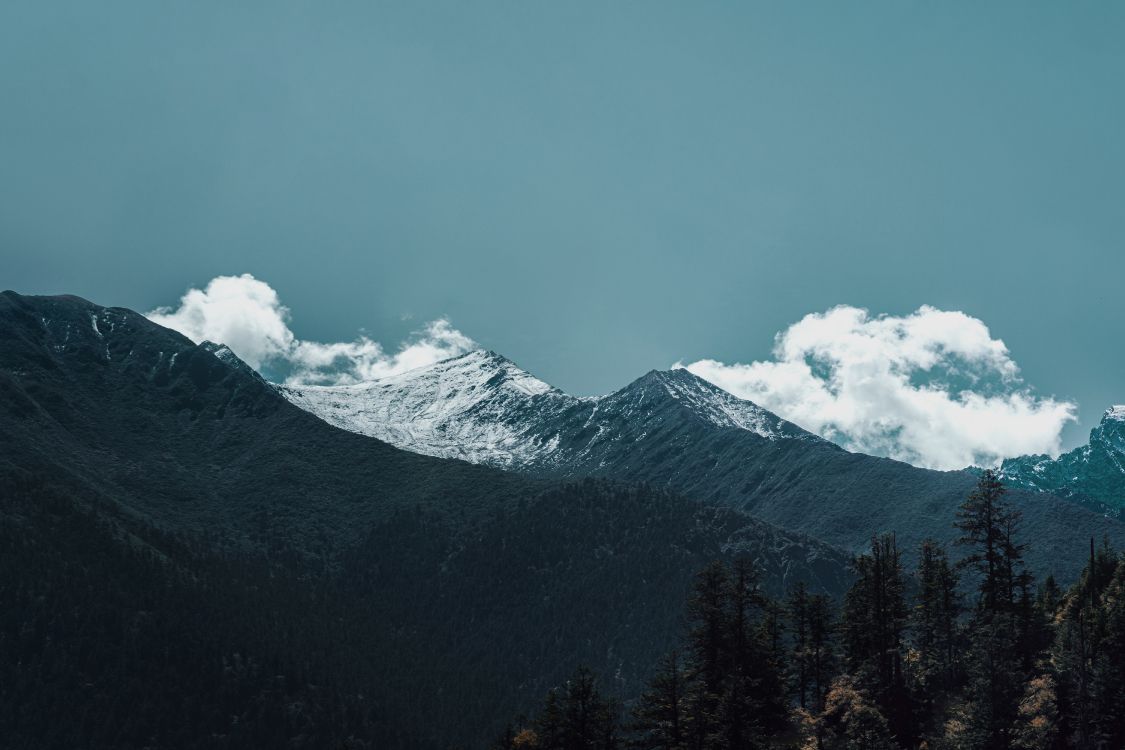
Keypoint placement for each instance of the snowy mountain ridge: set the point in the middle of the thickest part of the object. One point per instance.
(481, 407)
(1094, 472)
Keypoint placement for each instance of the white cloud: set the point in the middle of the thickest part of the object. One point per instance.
(247, 315)
(932, 388)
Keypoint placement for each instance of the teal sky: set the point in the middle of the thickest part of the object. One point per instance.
(593, 189)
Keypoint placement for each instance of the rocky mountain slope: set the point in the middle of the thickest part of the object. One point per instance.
(674, 430)
(1093, 474)
(204, 564)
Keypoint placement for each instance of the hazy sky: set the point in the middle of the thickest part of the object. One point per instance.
(593, 190)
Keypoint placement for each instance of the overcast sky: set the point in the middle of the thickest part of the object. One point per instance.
(592, 189)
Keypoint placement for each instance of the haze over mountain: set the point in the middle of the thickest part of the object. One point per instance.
(678, 431)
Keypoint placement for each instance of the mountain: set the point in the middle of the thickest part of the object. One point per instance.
(1093, 474)
(478, 407)
(677, 431)
(189, 560)
(481, 407)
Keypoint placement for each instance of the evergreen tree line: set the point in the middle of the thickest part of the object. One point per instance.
(965, 655)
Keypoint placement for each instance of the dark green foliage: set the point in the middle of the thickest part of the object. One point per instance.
(409, 601)
(187, 561)
(1001, 627)
(575, 716)
(1014, 671)
(873, 627)
(730, 693)
(660, 719)
(937, 635)
(802, 483)
(812, 661)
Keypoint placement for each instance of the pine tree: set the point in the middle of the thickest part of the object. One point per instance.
(744, 663)
(999, 630)
(707, 612)
(1108, 679)
(800, 665)
(821, 647)
(1084, 654)
(578, 717)
(934, 624)
(1037, 722)
(660, 721)
(850, 721)
(987, 524)
(770, 700)
(874, 619)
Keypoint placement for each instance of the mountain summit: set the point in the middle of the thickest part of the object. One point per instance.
(1093, 473)
(478, 407)
(672, 429)
(482, 408)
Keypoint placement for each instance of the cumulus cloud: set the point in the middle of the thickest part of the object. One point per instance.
(932, 388)
(246, 314)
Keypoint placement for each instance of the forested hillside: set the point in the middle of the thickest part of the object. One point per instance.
(979, 656)
(190, 561)
(675, 430)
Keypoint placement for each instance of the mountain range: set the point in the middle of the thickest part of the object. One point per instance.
(680, 432)
(186, 554)
(200, 558)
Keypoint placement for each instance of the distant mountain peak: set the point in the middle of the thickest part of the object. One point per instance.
(478, 406)
(711, 403)
(1094, 472)
(480, 370)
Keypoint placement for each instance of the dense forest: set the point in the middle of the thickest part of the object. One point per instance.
(116, 633)
(966, 655)
(189, 561)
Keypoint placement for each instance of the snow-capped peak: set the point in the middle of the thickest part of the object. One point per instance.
(478, 406)
(480, 369)
(1114, 413)
(706, 400)
(481, 407)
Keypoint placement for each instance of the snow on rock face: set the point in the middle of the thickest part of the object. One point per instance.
(722, 408)
(1095, 471)
(481, 408)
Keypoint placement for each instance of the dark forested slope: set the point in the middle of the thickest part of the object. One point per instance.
(190, 561)
(651, 431)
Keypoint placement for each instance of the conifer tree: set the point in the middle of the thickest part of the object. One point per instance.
(800, 665)
(1108, 679)
(934, 622)
(770, 700)
(998, 631)
(707, 611)
(744, 664)
(812, 658)
(1037, 725)
(821, 647)
(874, 619)
(578, 717)
(660, 720)
(1082, 651)
(850, 721)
